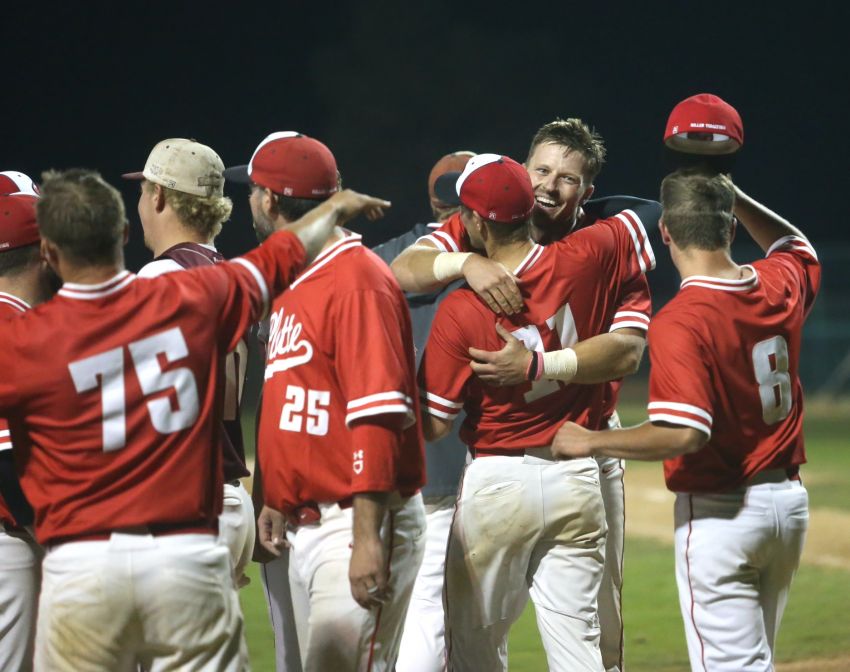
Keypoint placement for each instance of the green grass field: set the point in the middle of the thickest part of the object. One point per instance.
(815, 626)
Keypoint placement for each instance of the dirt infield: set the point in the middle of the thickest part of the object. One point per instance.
(820, 665)
(649, 514)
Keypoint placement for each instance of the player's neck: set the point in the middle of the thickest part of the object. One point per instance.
(26, 286)
(510, 255)
(174, 233)
(710, 263)
(337, 235)
(551, 233)
(89, 274)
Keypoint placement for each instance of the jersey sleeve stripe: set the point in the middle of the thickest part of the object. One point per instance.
(794, 243)
(380, 396)
(4, 433)
(643, 249)
(258, 278)
(680, 420)
(432, 238)
(628, 324)
(675, 406)
(383, 409)
(439, 414)
(429, 397)
(5, 446)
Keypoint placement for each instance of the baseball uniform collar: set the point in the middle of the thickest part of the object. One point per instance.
(14, 301)
(348, 241)
(721, 284)
(530, 259)
(116, 283)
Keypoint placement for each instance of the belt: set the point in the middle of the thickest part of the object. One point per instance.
(775, 476)
(153, 529)
(544, 452)
(309, 513)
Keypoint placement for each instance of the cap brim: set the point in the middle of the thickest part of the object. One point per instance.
(238, 174)
(445, 188)
(133, 176)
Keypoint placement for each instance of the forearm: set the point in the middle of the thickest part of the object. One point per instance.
(645, 442)
(764, 225)
(417, 269)
(368, 509)
(608, 356)
(314, 228)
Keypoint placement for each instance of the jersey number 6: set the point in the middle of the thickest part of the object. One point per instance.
(106, 370)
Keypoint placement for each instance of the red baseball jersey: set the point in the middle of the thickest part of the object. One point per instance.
(572, 290)
(10, 306)
(635, 307)
(340, 351)
(725, 357)
(110, 395)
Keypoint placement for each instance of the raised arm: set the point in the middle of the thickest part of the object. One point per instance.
(764, 225)
(314, 228)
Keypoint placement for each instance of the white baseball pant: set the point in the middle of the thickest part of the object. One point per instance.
(423, 641)
(611, 471)
(275, 578)
(334, 632)
(20, 580)
(525, 525)
(237, 530)
(164, 602)
(736, 554)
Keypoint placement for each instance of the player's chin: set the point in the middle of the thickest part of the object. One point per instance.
(545, 217)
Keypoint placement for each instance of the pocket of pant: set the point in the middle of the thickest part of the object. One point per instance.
(498, 510)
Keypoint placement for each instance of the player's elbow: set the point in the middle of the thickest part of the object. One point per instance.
(632, 354)
(433, 428)
(691, 440)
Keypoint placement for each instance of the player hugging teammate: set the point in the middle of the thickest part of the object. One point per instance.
(516, 313)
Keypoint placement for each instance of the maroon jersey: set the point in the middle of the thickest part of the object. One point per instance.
(111, 389)
(725, 357)
(635, 306)
(572, 290)
(340, 352)
(193, 255)
(10, 306)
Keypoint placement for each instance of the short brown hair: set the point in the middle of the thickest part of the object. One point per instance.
(697, 209)
(201, 214)
(576, 136)
(82, 214)
(15, 261)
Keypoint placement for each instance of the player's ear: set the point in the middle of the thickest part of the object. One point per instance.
(49, 255)
(587, 194)
(125, 237)
(268, 202)
(733, 227)
(665, 234)
(158, 195)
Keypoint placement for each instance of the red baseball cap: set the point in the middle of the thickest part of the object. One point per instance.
(17, 221)
(704, 124)
(290, 164)
(13, 182)
(451, 163)
(495, 186)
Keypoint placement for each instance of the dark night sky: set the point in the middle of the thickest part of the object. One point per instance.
(391, 86)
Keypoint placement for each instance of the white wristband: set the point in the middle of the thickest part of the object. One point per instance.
(560, 365)
(448, 265)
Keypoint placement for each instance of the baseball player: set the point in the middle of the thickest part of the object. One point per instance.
(524, 523)
(113, 419)
(180, 219)
(24, 283)
(563, 161)
(341, 450)
(725, 413)
(423, 639)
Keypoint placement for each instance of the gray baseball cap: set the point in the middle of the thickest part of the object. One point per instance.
(184, 165)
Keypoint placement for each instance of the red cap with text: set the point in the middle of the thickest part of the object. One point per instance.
(497, 188)
(13, 182)
(705, 118)
(17, 221)
(290, 164)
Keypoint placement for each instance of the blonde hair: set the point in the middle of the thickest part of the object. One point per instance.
(201, 214)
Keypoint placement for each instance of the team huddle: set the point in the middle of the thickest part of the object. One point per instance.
(437, 438)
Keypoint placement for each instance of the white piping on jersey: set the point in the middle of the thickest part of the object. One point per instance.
(382, 410)
(639, 238)
(430, 410)
(5, 445)
(116, 283)
(722, 284)
(434, 225)
(443, 402)
(530, 259)
(793, 243)
(679, 420)
(15, 302)
(259, 279)
(679, 406)
(351, 240)
(631, 313)
(380, 396)
(629, 319)
(437, 237)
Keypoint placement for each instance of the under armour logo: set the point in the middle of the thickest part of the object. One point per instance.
(358, 462)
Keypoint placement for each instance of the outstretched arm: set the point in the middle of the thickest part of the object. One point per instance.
(642, 442)
(314, 228)
(424, 268)
(764, 225)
